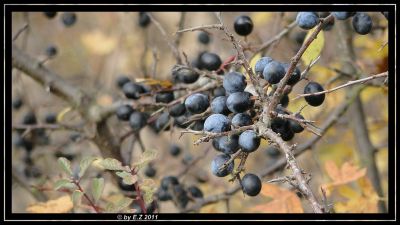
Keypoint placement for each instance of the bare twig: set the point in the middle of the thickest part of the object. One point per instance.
(171, 44)
(349, 83)
(207, 136)
(275, 39)
(25, 27)
(302, 183)
(202, 27)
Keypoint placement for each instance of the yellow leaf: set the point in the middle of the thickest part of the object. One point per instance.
(283, 200)
(60, 205)
(253, 62)
(314, 50)
(98, 43)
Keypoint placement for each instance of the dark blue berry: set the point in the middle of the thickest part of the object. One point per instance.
(227, 144)
(124, 112)
(243, 25)
(138, 120)
(217, 123)
(174, 150)
(241, 119)
(218, 162)
(197, 103)
(314, 100)
(218, 105)
(203, 37)
(132, 90)
(177, 110)
(144, 19)
(249, 141)
(261, 63)
(50, 15)
(274, 72)
(362, 23)
(251, 184)
(295, 126)
(307, 20)
(122, 80)
(234, 82)
(210, 61)
(195, 192)
(68, 18)
(239, 102)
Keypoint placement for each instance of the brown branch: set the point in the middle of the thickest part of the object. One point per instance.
(242, 58)
(281, 163)
(278, 93)
(91, 203)
(302, 183)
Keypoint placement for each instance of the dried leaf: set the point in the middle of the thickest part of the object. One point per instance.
(283, 201)
(346, 174)
(364, 202)
(154, 82)
(59, 205)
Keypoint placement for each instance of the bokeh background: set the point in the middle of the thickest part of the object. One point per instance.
(101, 46)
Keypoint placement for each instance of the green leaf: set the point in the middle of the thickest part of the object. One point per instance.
(127, 178)
(112, 164)
(85, 163)
(119, 206)
(149, 188)
(77, 197)
(315, 48)
(65, 165)
(62, 183)
(97, 188)
(145, 158)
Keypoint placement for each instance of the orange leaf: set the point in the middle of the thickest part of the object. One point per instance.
(283, 200)
(346, 174)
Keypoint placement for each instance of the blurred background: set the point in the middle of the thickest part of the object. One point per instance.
(101, 46)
